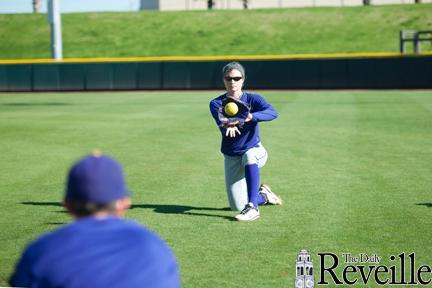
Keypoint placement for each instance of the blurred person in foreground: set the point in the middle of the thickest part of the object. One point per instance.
(99, 249)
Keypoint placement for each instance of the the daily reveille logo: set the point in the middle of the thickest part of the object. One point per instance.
(363, 269)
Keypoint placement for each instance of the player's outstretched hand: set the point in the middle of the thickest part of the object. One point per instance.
(231, 131)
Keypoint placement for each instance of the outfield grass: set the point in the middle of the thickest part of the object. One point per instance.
(354, 169)
(219, 32)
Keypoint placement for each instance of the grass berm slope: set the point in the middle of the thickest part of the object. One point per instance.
(218, 32)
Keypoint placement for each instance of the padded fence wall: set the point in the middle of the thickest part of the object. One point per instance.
(337, 73)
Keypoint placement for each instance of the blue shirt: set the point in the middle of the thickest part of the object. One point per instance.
(260, 109)
(97, 253)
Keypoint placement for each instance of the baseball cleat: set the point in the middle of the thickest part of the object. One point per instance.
(249, 213)
(271, 197)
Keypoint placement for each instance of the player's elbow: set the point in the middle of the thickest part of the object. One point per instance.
(211, 106)
(273, 115)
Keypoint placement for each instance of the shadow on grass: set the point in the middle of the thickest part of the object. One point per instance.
(24, 104)
(429, 205)
(57, 204)
(158, 208)
(182, 209)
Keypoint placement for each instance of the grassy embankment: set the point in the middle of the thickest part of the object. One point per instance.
(193, 33)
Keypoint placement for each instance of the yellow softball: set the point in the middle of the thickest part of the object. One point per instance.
(231, 109)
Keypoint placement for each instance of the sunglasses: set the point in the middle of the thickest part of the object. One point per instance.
(238, 78)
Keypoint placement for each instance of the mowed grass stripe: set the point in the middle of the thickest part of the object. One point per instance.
(351, 165)
(394, 158)
(321, 126)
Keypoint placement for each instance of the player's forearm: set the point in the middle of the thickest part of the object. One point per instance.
(266, 115)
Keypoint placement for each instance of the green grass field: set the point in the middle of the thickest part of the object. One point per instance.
(219, 32)
(354, 169)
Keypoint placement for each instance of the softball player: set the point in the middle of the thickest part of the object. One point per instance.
(241, 145)
(99, 249)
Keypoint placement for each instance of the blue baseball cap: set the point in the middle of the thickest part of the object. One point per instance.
(96, 179)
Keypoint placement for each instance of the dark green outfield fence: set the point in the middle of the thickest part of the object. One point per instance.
(380, 72)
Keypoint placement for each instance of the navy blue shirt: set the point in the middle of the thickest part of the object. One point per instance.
(260, 109)
(97, 253)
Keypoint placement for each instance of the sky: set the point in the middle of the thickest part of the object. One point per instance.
(25, 6)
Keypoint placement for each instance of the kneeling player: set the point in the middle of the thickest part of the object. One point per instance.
(241, 144)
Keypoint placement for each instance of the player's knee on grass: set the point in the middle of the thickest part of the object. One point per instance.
(237, 206)
(237, 199)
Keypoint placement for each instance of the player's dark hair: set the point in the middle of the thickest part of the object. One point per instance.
(81, 209)
(233, 66)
